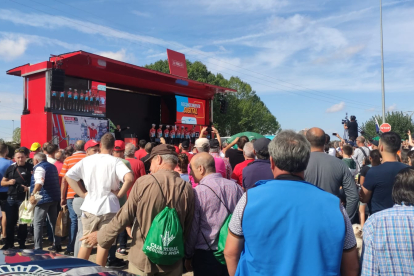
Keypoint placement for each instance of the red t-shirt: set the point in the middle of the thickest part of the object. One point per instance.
(189, 155)
(159, 132)
(138, 169)
(238, 171)
(152, 132)
(177, 150)
(166, 133)
(140, 153)
(92, 132)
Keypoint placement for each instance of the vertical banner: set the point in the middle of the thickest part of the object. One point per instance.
(77, 128)
(190, 111)
(99, 98)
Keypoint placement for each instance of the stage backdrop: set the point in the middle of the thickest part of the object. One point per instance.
(78, 128)
(190, 111)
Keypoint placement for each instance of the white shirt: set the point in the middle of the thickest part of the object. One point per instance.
(100, 173)
(332, 152)
(51, 160)
(39, 175)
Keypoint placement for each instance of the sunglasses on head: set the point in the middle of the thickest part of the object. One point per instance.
(19, 150)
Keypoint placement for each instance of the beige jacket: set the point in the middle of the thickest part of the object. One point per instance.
(144, 203)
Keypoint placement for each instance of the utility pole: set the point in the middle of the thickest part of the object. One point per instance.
(382, 68)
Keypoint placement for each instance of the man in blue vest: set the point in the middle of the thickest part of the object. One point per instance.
(45, 180)
(288, 226)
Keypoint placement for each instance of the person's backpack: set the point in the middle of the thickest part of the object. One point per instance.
(164, 244)
(222, 236)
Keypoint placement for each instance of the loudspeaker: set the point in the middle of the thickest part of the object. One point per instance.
(58, 80)
(223, 106)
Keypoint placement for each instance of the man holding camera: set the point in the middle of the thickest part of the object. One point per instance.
(352, 127)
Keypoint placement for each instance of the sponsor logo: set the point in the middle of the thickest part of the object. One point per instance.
(167, 238)
(35, 270)
(191, 110)
(178, 63)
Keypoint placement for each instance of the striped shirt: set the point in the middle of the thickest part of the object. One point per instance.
(69, 163)
(388, 242)
(209, 212)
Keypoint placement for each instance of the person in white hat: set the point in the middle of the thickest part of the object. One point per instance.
(167, 134)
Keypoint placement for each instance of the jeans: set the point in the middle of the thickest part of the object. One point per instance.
(40, 212)
(77, 203)
(73, 226)
(12, 213)
(122, 239)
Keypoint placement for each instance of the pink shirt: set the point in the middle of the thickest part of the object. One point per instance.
(220, 168)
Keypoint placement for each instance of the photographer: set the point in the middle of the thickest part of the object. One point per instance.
(352, 127)
(17, 179)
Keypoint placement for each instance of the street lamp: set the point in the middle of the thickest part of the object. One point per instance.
(382, 68)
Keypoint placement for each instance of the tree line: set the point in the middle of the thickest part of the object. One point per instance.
(245, 112)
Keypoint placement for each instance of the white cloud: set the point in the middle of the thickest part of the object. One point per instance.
(392, 107)
(41, 41)
(142, 14)
(12, 48)
(336, 107)
(11, 105)
(120, 55)
(242, 6)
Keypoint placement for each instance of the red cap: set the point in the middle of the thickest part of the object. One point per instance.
(91, 143)
(119, 145)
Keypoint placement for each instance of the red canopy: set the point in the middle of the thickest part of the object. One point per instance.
(122, 75)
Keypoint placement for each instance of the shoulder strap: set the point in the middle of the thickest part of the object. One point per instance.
(217, 197)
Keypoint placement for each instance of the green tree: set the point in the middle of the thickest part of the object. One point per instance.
(16, 135)
(245, 112)
(399, 122)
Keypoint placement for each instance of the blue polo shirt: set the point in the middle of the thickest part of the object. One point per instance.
(256, 171)
(4, 164)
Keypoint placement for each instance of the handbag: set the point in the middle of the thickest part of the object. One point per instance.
(26, 214)
(61, 227)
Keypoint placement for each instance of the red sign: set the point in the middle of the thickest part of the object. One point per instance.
(177, 64)
(385, 127)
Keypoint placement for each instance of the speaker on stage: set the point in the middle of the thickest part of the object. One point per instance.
(58, 80)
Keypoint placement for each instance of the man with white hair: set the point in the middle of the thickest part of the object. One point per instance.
(361, 152)
(45, 180)
(152, 193)
(248, 152)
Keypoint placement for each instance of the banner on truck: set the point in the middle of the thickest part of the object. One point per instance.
(70, 129)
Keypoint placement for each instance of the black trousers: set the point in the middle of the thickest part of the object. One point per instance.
(205, 264)
(12, 215)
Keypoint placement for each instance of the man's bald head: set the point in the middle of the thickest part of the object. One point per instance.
(204, 160)
(80, 145)
(59, 156)
(316, 137)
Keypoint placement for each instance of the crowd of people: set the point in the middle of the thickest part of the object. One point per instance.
(290, 204)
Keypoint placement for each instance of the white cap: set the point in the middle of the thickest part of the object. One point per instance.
(201, 141)
(153, 124)
(167, 126)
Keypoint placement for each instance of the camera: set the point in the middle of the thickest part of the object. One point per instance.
(345, 121)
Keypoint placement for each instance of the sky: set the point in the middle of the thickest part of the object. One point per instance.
(309, 61)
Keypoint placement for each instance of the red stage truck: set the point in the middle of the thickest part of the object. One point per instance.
(71, 96)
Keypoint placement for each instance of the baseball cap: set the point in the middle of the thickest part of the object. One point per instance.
(91, 143)
(375, 143)
(214, 143)
(161, 150)
(200, 142)
(35, 146)
(261, 144)
(185, 144)
(119, 145)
